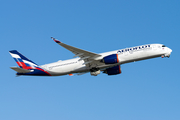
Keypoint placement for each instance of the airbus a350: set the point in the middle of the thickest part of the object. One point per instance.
(85, 61)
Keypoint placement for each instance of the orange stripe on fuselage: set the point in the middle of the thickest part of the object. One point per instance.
(117, 58)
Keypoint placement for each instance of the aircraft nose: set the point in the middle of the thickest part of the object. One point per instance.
(170, 50)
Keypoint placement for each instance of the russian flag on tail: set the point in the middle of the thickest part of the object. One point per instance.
(26, 64)
(22, 61)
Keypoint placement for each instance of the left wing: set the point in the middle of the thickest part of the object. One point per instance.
(90, 59)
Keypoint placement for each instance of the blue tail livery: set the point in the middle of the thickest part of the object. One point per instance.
(26, 66)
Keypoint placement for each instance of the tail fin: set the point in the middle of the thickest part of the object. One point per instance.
(27, 67)
(22, 61)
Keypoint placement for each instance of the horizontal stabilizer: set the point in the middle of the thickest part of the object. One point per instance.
(20, 70)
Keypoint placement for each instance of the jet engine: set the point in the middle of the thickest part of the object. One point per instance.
(111, 59)
(113, 71)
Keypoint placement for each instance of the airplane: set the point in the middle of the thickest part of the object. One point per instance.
(85, 61)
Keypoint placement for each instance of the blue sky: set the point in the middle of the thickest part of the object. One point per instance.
(145, 90)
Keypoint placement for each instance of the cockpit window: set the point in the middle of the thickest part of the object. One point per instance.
(163, 46)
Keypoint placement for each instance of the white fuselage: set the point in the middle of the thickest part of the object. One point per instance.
(126, 55)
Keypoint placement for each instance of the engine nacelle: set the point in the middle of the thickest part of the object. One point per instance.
(111, 59)
(113, 71)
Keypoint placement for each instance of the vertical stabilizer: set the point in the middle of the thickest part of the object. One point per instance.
(22, 61)
(27, 67)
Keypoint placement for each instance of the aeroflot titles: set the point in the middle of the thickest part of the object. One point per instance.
(134, 49)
